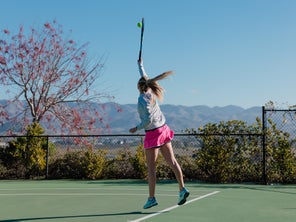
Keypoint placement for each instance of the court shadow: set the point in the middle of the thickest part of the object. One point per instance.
(119, 182)
(280, 189)
(129, 182)
(77, 216)
(285, 189)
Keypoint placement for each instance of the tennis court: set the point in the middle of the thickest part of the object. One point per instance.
(122, 200)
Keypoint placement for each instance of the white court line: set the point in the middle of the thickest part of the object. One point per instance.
(173, 207)
(70, 194)
(80, 194)
(85, 188)
(69, 188)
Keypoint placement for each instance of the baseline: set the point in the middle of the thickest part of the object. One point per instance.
(173, 207)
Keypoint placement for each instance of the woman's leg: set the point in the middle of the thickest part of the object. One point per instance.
(151, 157)
(168, 154)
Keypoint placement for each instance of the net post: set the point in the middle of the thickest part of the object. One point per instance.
(264, 146)
(47, 157)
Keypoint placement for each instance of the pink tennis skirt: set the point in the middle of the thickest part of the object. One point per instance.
(158, 137)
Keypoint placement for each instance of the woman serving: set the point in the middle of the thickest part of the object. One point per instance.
(158, 135)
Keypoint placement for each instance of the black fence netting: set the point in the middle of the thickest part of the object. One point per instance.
(215, 158)
(267, 156)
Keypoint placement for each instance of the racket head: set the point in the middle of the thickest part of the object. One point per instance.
(142, 29)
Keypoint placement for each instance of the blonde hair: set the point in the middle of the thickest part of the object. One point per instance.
(145, 83)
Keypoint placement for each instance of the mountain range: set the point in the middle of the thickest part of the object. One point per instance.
(178, 117)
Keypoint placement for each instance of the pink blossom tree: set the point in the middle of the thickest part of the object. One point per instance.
(50, 80)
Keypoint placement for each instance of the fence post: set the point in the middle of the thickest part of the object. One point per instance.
(47, 155)
(264, 145)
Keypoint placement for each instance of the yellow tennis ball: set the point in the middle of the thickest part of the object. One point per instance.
(139, 24)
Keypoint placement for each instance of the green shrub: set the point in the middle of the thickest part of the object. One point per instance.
(126, 165)
(79, 165)
(138, 162)
(228, 158)
(69, 166)
(94, 163)
(25, 157)
(189, 168)
(280, 158)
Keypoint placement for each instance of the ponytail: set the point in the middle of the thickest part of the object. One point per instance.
(153, 84)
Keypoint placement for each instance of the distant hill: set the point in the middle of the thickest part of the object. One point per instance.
(178, 117)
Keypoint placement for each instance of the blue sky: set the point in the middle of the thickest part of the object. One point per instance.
(223, 52)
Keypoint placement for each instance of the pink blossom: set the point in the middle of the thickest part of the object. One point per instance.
(71, 41)
(6, 31)
(47, 25)
(20, 66)
(9, 132)
(2, 60)
(21, 55)
(77, 81)
(92, 121)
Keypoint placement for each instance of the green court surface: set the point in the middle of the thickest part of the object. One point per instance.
(122, 200)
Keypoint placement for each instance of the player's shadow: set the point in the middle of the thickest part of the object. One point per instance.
(78, 216)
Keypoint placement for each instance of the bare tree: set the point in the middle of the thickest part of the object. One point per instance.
(50, 79)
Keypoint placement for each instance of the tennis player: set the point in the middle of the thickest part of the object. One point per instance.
(158, 135)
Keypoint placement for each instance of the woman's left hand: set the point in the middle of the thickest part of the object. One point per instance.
(133, 130)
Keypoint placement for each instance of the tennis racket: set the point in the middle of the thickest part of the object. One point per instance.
(141, 42)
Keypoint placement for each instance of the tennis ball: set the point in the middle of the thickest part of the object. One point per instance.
(139, 24)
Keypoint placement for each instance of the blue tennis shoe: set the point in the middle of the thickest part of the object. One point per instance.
(183, 196)
(151, 202)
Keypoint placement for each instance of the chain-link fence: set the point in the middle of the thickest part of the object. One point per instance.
(269, 155)
(285, 120)
(242, 153)
(279, 145)
(112, 145)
